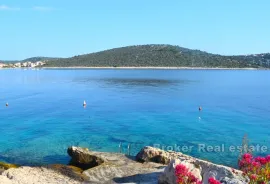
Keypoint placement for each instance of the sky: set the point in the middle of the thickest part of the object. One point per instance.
(64, 28)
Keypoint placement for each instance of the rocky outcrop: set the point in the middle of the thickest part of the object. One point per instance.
(4, 166)
(115, 167)
(222, 173)
(168, 176)
(119, 168)
(150, 154)
(202, 169)
(203, 172)
(7, 165)
(83, 158)
(68, 170)
(101, 167)
(35, 175)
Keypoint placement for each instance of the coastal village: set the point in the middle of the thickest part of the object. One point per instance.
(26, 64)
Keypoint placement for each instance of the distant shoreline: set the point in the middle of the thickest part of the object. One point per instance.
(169, 68)
(138, 68)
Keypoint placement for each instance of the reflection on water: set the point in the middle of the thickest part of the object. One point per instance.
(143, 82)
(133, 81)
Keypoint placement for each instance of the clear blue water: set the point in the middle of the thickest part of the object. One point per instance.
(137, 107)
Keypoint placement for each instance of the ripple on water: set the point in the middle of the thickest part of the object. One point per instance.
(137, 107)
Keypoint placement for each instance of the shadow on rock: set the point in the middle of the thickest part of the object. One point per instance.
(83, 158)
(139, 178)
(70, 171)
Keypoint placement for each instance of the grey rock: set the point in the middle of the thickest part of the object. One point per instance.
(119, 168)
(200, 168)
(150, 154)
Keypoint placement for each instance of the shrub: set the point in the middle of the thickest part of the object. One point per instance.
(184, 176)
(256, 169)
(213, 181)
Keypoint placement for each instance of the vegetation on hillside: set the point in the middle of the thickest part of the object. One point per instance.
(160, 56)
(36, 59)
(32, 59)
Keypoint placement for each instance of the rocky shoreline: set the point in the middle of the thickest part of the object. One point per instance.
(151, 166)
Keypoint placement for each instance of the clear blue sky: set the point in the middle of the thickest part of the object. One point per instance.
(66, 28)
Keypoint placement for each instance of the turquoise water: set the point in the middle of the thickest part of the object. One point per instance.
(137, 107)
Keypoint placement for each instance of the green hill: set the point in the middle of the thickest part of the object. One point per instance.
(160, 56)
(36, 59)
(157, 56)
(32, 59)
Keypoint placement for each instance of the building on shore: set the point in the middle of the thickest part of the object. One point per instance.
(18, 65)
(2, 65)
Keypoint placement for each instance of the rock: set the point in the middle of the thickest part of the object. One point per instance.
(150, 154)
(222, 173)
(114, 167)
(34, 175)
(168, 176)
(5, 180)
(68, 170)
(7, 166)
(206, 169)
(119, 168)
(83, 158)
(202, 170)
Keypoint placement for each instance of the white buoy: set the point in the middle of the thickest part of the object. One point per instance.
(84, 103)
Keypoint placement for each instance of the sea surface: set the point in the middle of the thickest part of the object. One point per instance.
(129, 106)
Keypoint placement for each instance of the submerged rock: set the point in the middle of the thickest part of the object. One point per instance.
(83, 158)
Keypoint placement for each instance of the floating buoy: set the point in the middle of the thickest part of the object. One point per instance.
(6, 104)
(84, 103)
(200, 108)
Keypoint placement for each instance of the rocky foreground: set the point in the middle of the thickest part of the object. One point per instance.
(150, 166)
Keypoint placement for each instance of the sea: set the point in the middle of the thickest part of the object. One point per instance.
(128, 109)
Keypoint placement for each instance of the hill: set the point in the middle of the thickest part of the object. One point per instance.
(36, 59)
(160, 56)
(156, 56)
(32, 59)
